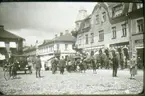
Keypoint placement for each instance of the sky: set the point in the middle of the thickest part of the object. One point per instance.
(40, 20)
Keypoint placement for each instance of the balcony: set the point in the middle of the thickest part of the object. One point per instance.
(86, 29)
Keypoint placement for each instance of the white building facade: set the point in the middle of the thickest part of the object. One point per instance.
(63, 44)
(106, 27)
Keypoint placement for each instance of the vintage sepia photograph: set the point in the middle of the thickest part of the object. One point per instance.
(62, 48)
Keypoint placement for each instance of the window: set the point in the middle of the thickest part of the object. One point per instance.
(114, 32)
(57, 46)
(79, 40)
(66, 46)
(97, 19)
(50, 48)
(86, 38)
(92, 37)
(101, 35)
(47, 49)
(117, 10)
(87, 23)
(139, 5)
(124, 30)
(140, 26)
(104, 16)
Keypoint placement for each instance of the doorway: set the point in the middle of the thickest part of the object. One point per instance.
(140, 57)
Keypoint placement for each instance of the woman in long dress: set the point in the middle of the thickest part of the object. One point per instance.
(133, 67)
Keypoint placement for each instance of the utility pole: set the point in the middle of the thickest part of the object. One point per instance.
(36, 46)
(130, 36)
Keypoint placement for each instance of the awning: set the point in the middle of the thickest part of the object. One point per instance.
(45, 58)
(122, 44)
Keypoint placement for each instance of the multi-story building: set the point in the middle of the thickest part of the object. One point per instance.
(136, 21)
(63, 44)
(29, 51)
(107, 26)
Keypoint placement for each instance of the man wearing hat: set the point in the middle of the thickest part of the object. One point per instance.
(61, 65)
(38, 66)
(115, 64)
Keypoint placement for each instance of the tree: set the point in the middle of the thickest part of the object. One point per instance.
(74, 33)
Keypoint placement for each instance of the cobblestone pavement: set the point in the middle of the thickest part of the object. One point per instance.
(73, 83)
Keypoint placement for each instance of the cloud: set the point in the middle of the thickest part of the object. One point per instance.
(40, 19)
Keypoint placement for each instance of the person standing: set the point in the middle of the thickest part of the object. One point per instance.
(85, 64)
(14, 67)
(133, 67)
(54, 62)
(69, 66)
(61, 65)
(115, 64)
(92, 61)
(38, 66)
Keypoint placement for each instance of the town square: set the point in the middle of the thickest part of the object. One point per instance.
(71, 48)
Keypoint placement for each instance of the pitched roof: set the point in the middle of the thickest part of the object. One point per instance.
(66, 38)
(8, 35)
(30, 48)
(45, 42)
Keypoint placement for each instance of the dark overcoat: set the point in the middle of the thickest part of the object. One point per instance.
(115, 62)
(38, 63)
(62, 63)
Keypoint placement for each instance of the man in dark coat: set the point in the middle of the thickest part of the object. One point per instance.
(92, 61)
(115, 64)
(85, 64)
(81, 65)
(12, 70)
(38, 66)
(54, 63)
(62, 65)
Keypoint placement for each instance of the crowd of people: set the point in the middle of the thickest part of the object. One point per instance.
(108, 60)
(80, 63)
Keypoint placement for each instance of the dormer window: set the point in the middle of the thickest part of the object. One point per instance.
(139, 5)
(117, 10)
(97, 19)
(86, 24)
(103, 16)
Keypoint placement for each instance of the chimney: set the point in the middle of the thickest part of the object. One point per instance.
(55, 35)
(1, 27)
(66, 31)
(61, 33)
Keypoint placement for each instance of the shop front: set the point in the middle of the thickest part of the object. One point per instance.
(139, 51)
(123, 50)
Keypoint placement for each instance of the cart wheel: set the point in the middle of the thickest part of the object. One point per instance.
(6, 74)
